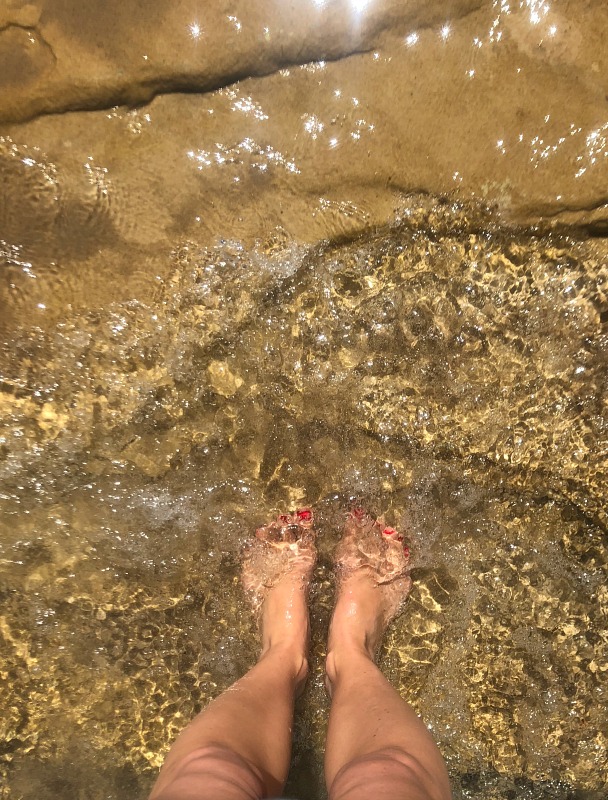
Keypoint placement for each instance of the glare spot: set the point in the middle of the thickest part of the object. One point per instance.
(338, 92)
(248, 106)
(195, 30)
(495, 33)
(258, 157)
(552, 30)
(360, 5)
(411, 39)
(42, 306)
(597, 144)
(313, 66)
(538, 10)
(313, 125)
(445, 32)
(333, 142)
(471, 73)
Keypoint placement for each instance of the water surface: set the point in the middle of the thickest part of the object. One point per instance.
(212, 311)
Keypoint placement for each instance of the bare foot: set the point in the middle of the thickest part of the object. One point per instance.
(372, 569)
(277, 567)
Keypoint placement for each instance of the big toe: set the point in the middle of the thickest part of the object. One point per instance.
(286, 546)
(288, 528)
(368, 542)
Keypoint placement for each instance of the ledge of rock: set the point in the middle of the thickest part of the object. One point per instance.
(126, 52)
(465, 100)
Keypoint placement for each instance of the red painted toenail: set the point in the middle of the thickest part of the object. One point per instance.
(389, 531)
(304, 514)
(284, 519)
(359, 513)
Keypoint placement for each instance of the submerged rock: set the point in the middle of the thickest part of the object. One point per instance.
(330, 110)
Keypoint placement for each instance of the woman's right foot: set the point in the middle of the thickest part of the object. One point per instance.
(372, 570)
(277, 568)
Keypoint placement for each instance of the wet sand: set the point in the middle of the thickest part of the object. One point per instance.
(255, 258)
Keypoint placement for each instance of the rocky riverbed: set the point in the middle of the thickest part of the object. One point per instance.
(321, 253)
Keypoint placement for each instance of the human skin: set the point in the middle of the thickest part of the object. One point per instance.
(239, 747)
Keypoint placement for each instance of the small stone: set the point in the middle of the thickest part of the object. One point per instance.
(222, 380)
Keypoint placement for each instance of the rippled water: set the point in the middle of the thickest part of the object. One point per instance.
(221, 305)
(449, 373)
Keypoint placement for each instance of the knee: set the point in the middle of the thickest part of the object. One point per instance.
(213, 771)
(387, 774)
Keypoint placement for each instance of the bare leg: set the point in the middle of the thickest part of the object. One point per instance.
(239, 747)
(376, 744)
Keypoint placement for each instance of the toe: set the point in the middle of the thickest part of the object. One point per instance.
(395, 539)
(305, 517)
(391, 534)
(288, 528)
(291, 533)
(357, 522)
(358, 513)
(261, 533)
(268, 533)
(351, 529)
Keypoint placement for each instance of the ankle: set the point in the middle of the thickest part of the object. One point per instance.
(345, 659)
(353, 637)
(290, 656)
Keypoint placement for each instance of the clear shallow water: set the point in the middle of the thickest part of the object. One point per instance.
(223, 304)
(447, 372)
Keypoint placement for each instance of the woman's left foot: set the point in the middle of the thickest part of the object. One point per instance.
(277, 568)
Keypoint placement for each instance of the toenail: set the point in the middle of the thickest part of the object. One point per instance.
(406, 551)
(389, 532)
(284, 519)
(304, 514)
